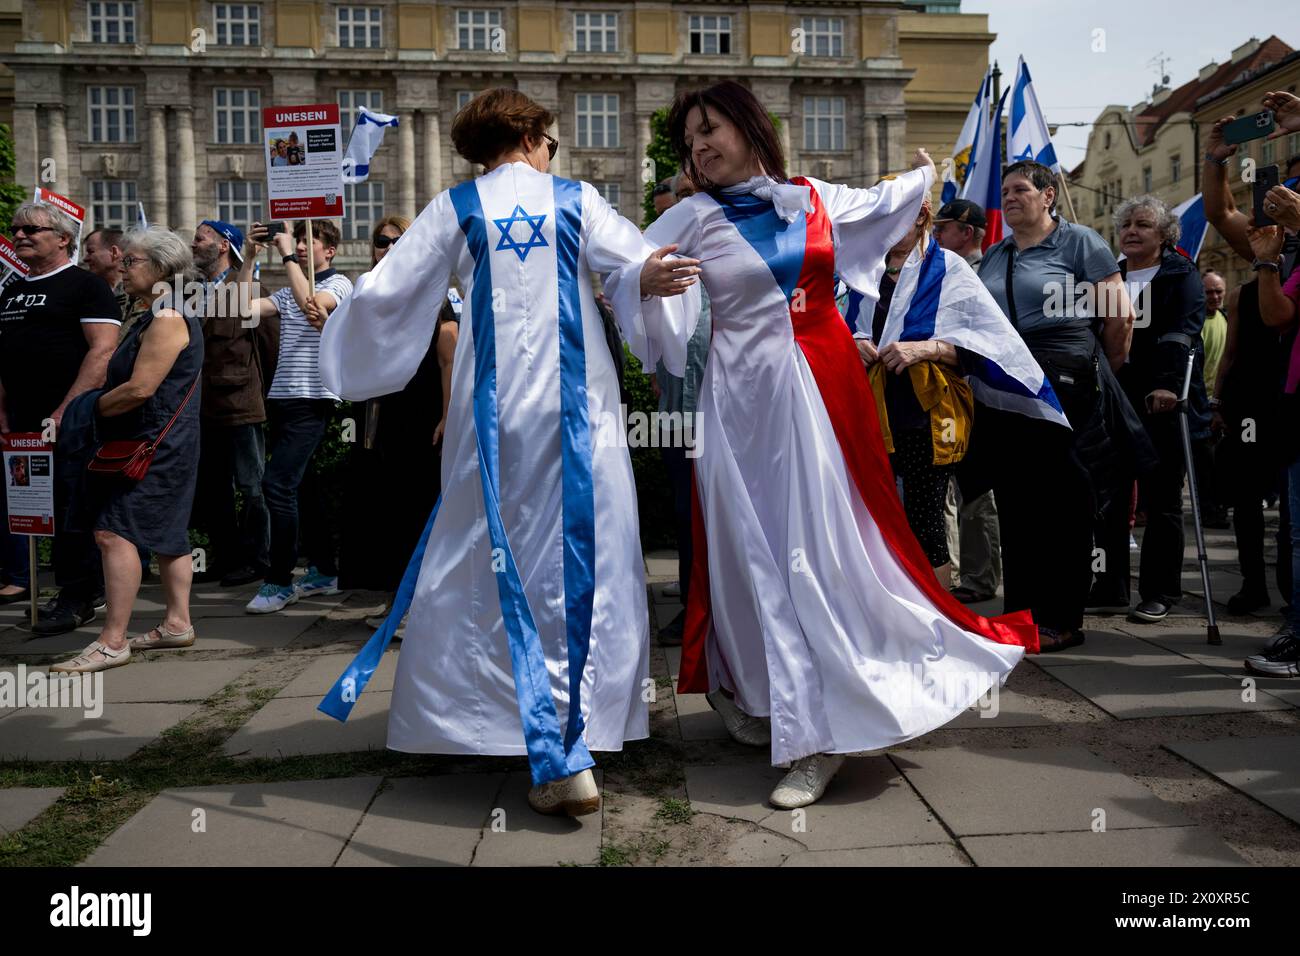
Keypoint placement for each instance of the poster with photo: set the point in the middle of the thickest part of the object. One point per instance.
(29, 483)
(304, 161)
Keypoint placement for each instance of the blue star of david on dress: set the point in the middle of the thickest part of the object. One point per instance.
(533, 241)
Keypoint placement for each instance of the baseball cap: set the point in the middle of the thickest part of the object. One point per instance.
(232, 234)
(963, 210)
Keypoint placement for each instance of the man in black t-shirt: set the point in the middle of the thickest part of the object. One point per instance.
(58, 329)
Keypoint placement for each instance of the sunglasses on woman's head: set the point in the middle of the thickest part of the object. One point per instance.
(383, 242)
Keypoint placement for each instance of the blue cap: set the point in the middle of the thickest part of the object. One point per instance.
(232, 234)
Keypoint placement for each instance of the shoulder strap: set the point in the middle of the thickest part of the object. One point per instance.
(185, 401)
(1011, 288)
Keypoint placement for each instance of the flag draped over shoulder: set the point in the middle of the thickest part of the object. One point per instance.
(938, 296)
(964, 149)
(367, 135)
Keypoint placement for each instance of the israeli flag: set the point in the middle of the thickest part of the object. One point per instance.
(1028, 137)
(938, 296)
(367, 135)
(964, 150)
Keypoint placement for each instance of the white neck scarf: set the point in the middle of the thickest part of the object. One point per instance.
(786, 198)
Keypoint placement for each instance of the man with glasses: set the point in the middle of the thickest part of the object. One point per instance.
(58, 329)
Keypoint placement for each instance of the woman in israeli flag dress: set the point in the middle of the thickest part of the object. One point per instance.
(531, 591)
(815, 620)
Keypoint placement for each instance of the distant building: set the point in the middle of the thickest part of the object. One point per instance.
(159, 101)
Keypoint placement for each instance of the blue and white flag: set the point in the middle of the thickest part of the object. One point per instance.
(367, 135)
(1028, 137)
(964, 149)
(1191, 219)
(140, 219)
(938, 296)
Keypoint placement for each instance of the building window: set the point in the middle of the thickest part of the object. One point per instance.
(595, 32)
(1268, 152)
(238, 24)
(597, 115)
(823, 36)
(363, 206)
(610, 192)
(823, 122)
(462, 99)
(349, 100)
(360, 26)
(239, 201)
(710, 34)
(1146, 179)
(238, 115)
(113, 203)
(1175, 169)
(112, 22)
(112, 114)
(475, 29)
(1293, 146)
(1108, 140)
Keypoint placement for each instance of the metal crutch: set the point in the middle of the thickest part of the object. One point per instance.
(1212, 628)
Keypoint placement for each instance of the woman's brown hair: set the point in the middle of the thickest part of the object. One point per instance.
(741, 108)
(497, 121)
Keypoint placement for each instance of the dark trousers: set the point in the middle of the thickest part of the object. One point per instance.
(297, 427)
(1207, 485)
(1250, 474)
(679, 478)
(13, 551)
(78, 569)
(1045, 508)
(1160, 571)
(233, 458)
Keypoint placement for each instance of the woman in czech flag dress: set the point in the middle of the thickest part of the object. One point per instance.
(812, 604)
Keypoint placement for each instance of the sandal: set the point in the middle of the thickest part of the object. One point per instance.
(164, 639)
(1051, 640)
(85, 662)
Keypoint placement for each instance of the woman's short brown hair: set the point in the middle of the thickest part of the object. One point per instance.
(741, 108)
(496, 121)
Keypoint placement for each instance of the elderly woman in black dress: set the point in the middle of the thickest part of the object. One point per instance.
(150, 376)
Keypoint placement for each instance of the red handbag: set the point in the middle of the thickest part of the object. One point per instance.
(131, 458)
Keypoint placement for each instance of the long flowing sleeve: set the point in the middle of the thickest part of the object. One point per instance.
(657, 328)
(865, 225)
(374, 341)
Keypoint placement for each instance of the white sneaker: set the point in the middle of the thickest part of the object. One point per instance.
(806, 781)
(576, 795)
(271, 598)
(673, 589)
(744, 729)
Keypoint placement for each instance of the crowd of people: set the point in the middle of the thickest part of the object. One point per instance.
(932, 421)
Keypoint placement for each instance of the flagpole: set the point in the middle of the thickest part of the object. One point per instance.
(1065, 190)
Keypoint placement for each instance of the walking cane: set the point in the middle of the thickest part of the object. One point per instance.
(1212, 628)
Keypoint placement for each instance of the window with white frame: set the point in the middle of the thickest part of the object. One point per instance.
(823, 36)
(1175, 168)
(236, 115)
(1268, 152)
(113, 203)
(823, 122)
(611, 193)
(239, 201)
(349, 100)
(710, 34)
(111, 22)
(595, 32)
(597, 119)
(237, 24)
(1146, 179)
(363, 205)
(112, 114)
(361, 26)
(475, 28)
(462, 99)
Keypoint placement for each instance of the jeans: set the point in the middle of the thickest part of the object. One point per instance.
(233, 457)
(297, 427)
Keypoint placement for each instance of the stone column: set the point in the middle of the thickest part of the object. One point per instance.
(185, 219)
(895, 144)
(55, 122)
(27, 162)
(406, 164)
(157, 175)
(870, 150)
(432, 184)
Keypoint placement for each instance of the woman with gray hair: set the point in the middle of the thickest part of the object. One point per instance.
(151, 394)
(1169, 300)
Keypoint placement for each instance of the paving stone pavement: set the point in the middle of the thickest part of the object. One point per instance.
(1137, 748)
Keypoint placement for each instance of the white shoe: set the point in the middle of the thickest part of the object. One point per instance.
(673, 589)
(744, 729)
(271, 598)
(806, 781)
(87, 663)
(576, 795)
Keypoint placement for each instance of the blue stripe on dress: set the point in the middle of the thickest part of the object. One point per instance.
(779, 243)
(575, 439)
(548, 758)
